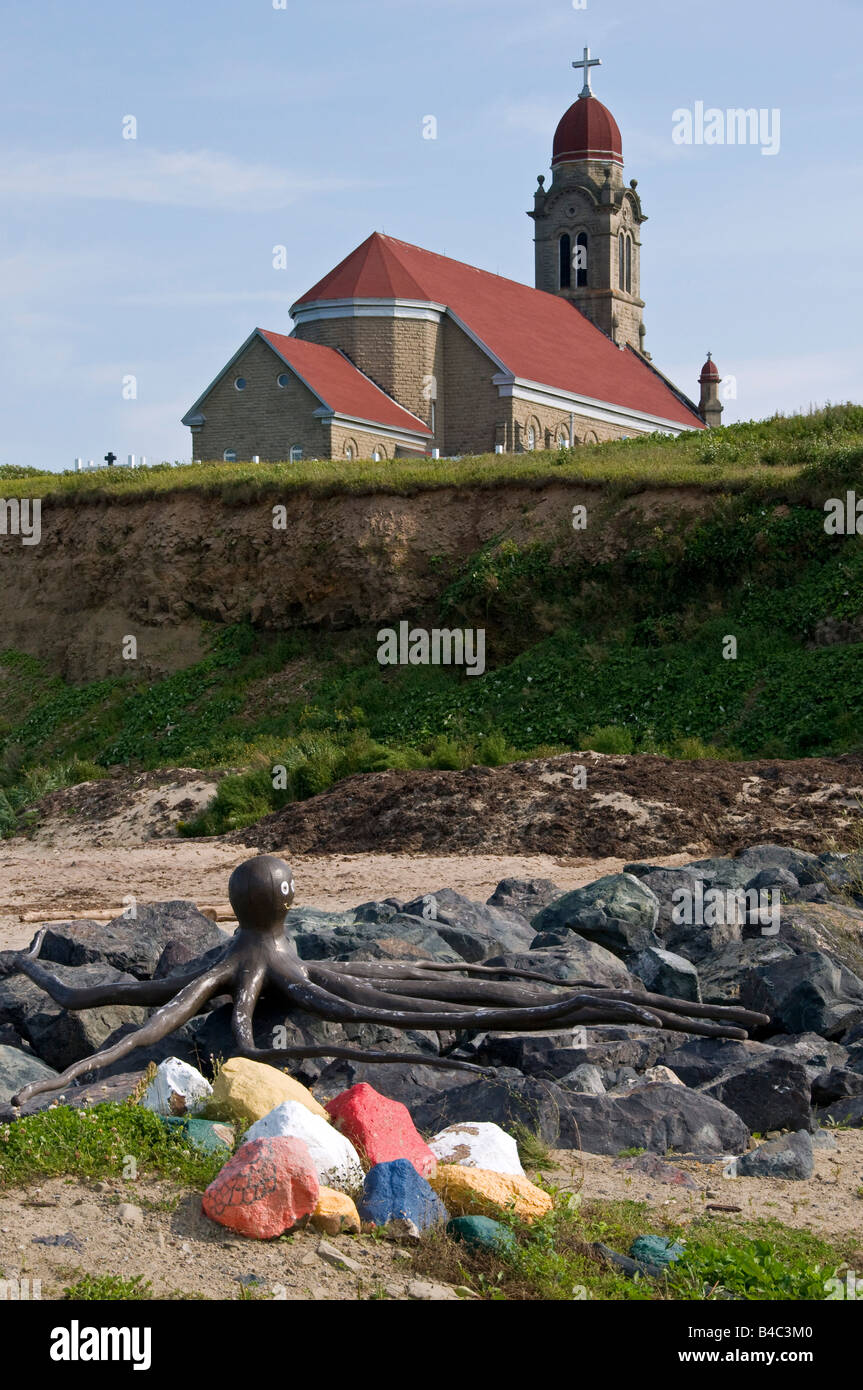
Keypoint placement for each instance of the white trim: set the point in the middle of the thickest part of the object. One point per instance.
(566, 401)
(334, 417)
(422, 309)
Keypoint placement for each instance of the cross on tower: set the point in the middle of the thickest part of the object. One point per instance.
(587, 63)
(110, 458)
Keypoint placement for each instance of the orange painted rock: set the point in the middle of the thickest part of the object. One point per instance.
(266, 1188)
(478, 1192)
(335, 1214)
(382, 1129)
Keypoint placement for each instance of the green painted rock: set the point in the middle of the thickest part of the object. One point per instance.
(211, 1136)
(655, 1250)
(481, 1233)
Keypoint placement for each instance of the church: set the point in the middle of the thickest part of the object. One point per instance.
(401, 352)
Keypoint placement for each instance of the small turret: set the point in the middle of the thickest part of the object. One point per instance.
(710, 406)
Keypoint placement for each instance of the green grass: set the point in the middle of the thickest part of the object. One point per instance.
(735, 458)
(619, 652)
(554, 1258)
(94, 1142)
(108, 1288)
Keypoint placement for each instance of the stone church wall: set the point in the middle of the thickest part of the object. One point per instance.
(265, 419)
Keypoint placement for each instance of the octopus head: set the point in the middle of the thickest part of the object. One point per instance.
(261, 890)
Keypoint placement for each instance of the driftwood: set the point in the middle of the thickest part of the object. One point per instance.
(416, 994)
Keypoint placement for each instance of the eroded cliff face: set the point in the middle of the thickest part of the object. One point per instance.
(158, 569)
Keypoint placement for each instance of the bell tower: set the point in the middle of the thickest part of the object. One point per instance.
(588, 222)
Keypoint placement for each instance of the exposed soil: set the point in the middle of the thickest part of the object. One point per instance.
(632, 807)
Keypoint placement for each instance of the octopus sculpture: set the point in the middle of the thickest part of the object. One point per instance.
(416, 994)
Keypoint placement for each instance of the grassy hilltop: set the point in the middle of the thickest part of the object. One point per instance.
(621, 651)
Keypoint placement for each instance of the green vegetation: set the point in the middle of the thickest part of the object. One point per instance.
(740, 456)
(96, 1142)
(554, 1258)
(617, 646)
(108, 1288)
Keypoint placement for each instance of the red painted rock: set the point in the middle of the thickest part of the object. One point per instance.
(380, 1128)
(267, 1187)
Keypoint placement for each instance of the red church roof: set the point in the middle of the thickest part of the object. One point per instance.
(340, 385)
(536, 336)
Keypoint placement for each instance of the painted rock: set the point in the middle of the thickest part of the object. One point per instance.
(481, 1233)
(381, 1129)
(480, 1145)
(246, 1090)
(212, 1136)
(265, 1189)
(334, 1156)
(395, 1191)
(176, 1089)
(477, 1192)
(336, 1214)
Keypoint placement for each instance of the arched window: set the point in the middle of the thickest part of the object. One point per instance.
(296, 453)
(565, 261)
(349, 451)
(531, 437)
(629, 265)
(562, 438)
(377, 456)
(621, 262)
(581, 259)
(230, 456)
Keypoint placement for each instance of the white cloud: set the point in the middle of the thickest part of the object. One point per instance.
(199, 179)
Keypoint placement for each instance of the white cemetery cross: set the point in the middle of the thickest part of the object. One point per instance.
(79, 464)
(131, 461)
(587, 63)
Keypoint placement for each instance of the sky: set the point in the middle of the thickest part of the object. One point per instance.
(131, 269)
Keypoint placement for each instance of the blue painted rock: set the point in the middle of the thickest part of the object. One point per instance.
(395, 1192)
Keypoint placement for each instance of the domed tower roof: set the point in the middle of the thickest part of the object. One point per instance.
(587, 131)
(710, 371)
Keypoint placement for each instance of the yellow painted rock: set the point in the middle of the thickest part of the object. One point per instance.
(478, 1192)
(335, 1214)
(247, 1090)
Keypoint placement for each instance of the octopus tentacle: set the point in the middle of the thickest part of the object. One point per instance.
(274, 1056)
(441, 991)
(173, 1015)
(74, 997)
(247, 989)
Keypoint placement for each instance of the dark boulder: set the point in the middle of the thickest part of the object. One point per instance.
(790, 1156)
(525, 895)
(133, 944)
(657, 1117)
(808, 993)
(63, 1036)
(766, 1092)
(617, 912)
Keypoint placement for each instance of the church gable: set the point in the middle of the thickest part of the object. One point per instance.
(257, 407)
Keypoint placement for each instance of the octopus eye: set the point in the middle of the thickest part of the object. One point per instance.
(285, 887)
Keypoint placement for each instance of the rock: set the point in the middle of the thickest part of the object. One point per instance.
(409, 1083)
(618, 912)
(661, 1073)
(525, 895)
(804, 867)
(480, 1145)
(18, 1069)
(823, 1139)
(657, 1168)
(839, 1083)
(247, 1090)
(482, 1233)
(816, 1053)
(336, 1214)
(584, 1077)
(133, 944)
(506, 1102)
(63, 1036)
(720, 975)
(843, 1112)
(338, 1259)
(656, 1250)
(722, 873)
(429, 1292)
(317, 936)
(698, 1061)
(265, 1189)
(810, 992)
(787, 1157)
(394, 1191)
(381, 1129)
(211, 1136)
(777, 878)
(114, 1089)
(129, 1214)
(336, 1161)
(477, 1192)
(663, 972)
(767, 1093)
(568, 959)
(659, 1118)
(473, 930)
(176, 1089)
(631, 1268)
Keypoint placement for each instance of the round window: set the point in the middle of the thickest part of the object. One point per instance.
(283, 379)
(240, 383)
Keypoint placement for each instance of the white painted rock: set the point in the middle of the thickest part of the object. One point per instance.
(663, 1074)
(177, 1089)
(335, 1158)
(478, 1145)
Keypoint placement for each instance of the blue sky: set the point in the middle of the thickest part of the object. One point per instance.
(302, 126)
